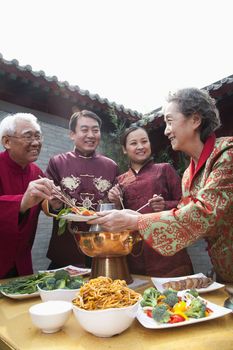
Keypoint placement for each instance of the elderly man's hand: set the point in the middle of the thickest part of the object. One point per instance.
(117, 220)
(37, 191)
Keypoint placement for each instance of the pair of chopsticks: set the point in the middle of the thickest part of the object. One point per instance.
(145, 205)
(62, 197)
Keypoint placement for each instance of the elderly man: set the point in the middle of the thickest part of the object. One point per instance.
(85, 177)
(21, 192)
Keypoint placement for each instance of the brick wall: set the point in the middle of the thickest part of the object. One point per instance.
(56, 140)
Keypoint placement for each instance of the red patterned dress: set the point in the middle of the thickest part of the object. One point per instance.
(138, 188)
(205, 210)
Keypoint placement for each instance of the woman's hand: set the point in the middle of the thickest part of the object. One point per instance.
(157, 203)
(114, 195)
(117, 220)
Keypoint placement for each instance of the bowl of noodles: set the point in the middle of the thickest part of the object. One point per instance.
(105, 307)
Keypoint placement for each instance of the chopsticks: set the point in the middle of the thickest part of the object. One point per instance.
(145, 205)
(122, 204)
(62, 197)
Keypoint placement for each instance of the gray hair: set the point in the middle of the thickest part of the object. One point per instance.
(193, 100)
(8, 124)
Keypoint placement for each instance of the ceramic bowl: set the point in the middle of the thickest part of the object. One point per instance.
(108, 322)
(57, 294)
(51, 315)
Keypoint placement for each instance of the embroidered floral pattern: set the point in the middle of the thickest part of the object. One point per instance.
(102, 185)
(71, 182)
(205, 211)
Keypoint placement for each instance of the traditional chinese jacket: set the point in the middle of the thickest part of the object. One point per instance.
(86, 180)
(205, 210)
(16, 233)
(138, 188)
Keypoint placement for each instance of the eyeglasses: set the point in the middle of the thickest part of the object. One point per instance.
(29, 138)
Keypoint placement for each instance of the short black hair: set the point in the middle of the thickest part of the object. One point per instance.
(84, 113)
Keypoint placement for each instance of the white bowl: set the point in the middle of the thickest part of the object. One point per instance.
(108, 322)
(58, 294)
(51, 315)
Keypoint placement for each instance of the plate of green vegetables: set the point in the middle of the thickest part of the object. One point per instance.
(23, 287)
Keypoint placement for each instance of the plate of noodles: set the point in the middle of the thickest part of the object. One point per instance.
(105, 307)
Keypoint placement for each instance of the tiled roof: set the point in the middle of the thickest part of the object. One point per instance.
(217, 90)
(52, 83)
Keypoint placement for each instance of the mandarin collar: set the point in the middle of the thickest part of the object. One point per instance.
(149, 161)
(13, 164)
(80, 155)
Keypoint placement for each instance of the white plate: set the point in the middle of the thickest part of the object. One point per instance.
(73, 270)
(158, 282)
(21, 296)
(77, 217)
(148, 322)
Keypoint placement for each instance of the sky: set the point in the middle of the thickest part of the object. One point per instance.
(132, 52)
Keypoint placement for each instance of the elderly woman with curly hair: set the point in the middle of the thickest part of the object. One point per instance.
(206, 207)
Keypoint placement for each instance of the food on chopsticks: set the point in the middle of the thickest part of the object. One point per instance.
(189, 283)
(104, 293)
(171, 307)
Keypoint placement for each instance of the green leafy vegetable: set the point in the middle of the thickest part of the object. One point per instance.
(24, 285)
(62, 222)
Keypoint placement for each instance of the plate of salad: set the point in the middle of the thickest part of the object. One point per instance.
(167, 309)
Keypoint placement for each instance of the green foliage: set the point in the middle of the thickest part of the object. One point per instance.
(111, 143)
(164, 156)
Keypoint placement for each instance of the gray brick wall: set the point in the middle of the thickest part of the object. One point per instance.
(56, 140)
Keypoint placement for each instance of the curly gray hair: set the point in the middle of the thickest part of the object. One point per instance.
(193, 100)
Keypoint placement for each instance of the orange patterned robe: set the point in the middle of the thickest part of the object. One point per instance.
(205, 211)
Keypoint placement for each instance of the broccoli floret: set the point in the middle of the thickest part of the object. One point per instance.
(193, 292)
(75, 284)
(196, 309)
(60, 284)
(168, 291)
(48, 284)
(150, 297)
(171, 298)
(61, 275)
(160, 314)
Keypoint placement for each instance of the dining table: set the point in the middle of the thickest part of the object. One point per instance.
(17, 331)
